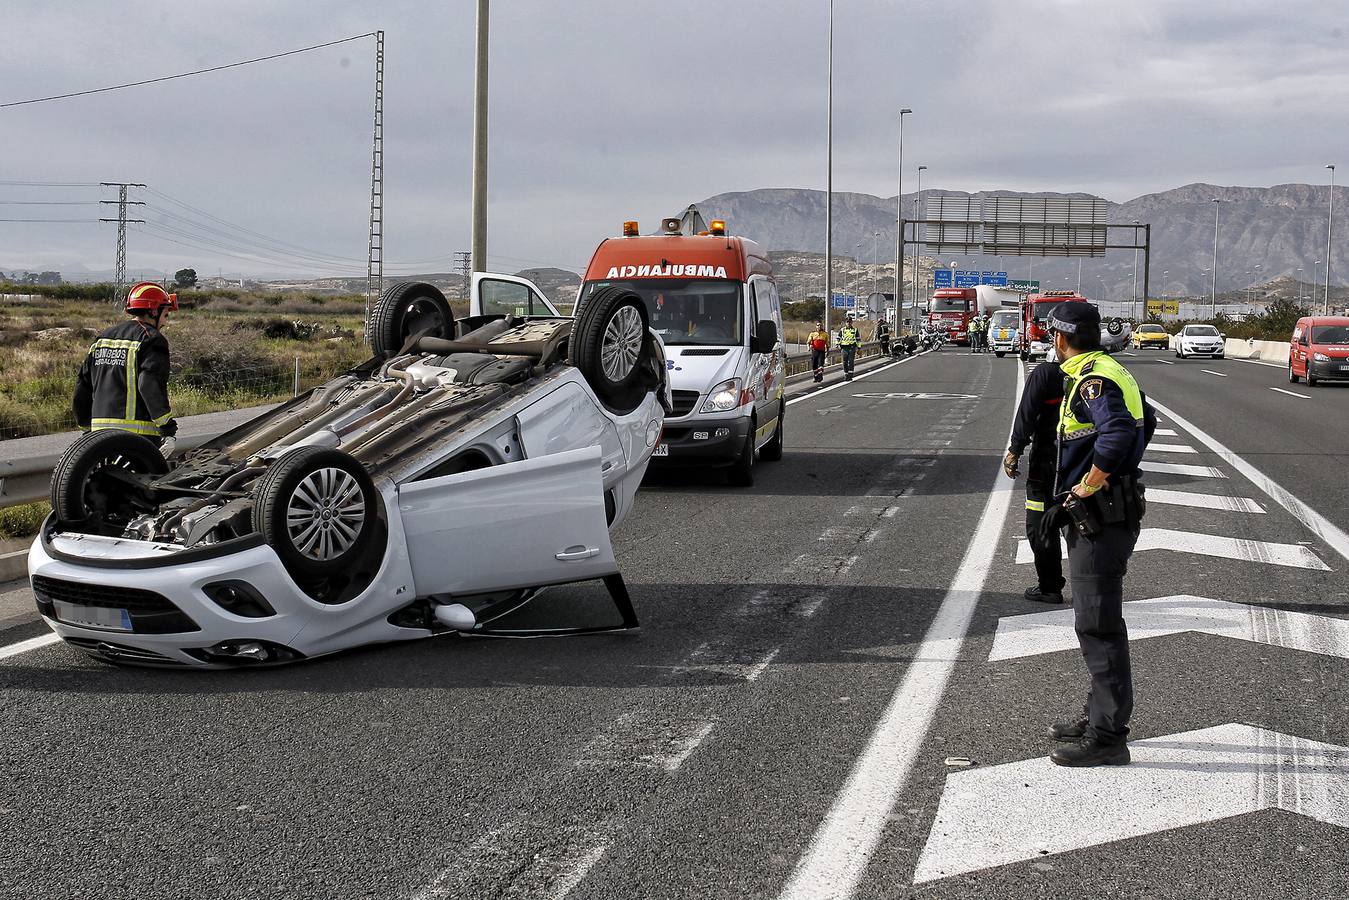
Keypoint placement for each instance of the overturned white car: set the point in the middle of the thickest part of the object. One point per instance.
(434, 488)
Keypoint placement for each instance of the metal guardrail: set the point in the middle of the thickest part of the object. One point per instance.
(799, 364)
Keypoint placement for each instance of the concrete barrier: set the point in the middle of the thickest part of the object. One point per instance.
(1268, 351)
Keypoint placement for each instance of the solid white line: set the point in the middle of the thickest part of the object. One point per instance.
(1211, 372)
(30, 644)
(578, 872)
(1261, 362)
(1171, 448)
(1322, 527)
(844, 842)
(856, 378)
(1290, 393)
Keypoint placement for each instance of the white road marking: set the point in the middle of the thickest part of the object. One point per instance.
(1262, 362)
(1171, 448)
(578, 871)
(1165, 362)
(1165, 432)
(1211, 372)
(1148, 465)
(1051, 632)
(645, 738)
(1294, 556)
(672, 761)
(30, 644)
(868, 374)
(1291, 393)
(844, 842)
(1319, 525)
(1027, 810)
(762, 665)
(1204, 501)
(440, 886)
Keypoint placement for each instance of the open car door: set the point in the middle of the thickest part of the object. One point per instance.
(525, 524)
(500, 295)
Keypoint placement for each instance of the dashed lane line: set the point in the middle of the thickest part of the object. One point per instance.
(1163, 468)
(845, 841)
(1291, 393)
(30, 644)
(1323, 528)
(1165, 432)
(1211, 372)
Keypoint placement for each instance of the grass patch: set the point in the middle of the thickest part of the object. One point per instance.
(23, 521)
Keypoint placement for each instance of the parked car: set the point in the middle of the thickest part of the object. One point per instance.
(433, 488)
(1319, 349)
(1199, 340)
(1151, 335)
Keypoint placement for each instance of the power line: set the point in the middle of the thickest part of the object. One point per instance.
(49, 203)
(233, 65)
(66, 221)
(51, 183)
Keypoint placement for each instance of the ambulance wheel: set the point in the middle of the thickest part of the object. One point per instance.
(610, 345)
(741, 472)
(772, 451)
(405, 309)
(90, 482)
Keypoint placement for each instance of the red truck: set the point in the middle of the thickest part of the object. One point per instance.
(950, 310)
(1035, 309)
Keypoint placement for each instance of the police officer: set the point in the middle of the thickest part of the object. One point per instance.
(1105, 424)
(848, 339)
(1036, 425)
(124, 380)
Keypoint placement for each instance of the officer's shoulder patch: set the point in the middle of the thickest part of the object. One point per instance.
(1092, 387)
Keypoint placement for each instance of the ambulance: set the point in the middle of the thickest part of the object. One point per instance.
(711, 298)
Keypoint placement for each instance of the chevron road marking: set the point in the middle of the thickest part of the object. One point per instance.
(1165, 432)
(1027, 810)
(1204, 501)
(1148, 465)
(1052, 631)
(1171, 448)
(1292, 555)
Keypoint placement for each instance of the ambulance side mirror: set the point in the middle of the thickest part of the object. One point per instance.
(765, 337)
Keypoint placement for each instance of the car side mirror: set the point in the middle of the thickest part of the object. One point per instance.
(765, 337)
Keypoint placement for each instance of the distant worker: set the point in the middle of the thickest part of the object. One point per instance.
(972, 329)
(1105, 424)
(124, 381)
(818, 342)
(1036, 426)
(848, 339)
(883, 335)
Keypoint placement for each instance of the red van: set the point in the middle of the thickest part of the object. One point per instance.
(1319, 349)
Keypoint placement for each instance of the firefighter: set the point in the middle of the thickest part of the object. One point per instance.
(848, 339)
(1036, 425)
(124, 381)
(818, 342)
(883, 335)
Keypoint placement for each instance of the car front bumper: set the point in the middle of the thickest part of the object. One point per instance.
(703, 441)
(1333, 369)
(1213, 350)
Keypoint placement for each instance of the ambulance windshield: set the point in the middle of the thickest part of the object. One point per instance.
(688, 312)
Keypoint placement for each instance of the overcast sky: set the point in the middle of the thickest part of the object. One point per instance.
(605, 111)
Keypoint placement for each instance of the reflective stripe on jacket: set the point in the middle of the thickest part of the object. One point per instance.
(848, 337)
(123, 382)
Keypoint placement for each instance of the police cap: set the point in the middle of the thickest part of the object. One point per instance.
(1075, 317)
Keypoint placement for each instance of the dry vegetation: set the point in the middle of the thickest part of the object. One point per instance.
(228, 351)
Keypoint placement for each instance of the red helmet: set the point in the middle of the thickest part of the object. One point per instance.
(149, 296)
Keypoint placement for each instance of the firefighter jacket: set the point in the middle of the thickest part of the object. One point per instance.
(124, 382)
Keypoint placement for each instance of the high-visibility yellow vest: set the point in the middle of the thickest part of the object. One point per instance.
(1079, 369)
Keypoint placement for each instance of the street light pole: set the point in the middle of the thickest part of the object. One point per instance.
(478, 260)
(1297, 273)
(829, 177)
(917, 248)
(1213, 290)
(1079, 277)
(1133, 307)
(899, 229)
(1330, 224)
(876, 261)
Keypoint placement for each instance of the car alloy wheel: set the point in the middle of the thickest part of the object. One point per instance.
(622, 343)
(325, 514)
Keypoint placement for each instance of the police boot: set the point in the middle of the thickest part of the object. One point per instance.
(1069, 732)
(1091, 751)
(1039, 596)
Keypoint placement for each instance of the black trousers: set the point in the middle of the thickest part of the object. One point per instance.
(817, 363)
(849, 357)
(1048, 553)
(1097, 568)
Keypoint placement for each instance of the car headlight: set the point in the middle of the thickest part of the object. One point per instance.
(1320, 357)
(724, 397)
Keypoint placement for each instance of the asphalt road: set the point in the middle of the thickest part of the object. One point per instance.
(836, 692)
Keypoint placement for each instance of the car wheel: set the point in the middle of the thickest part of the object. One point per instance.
(1115, 327)
(772, 451)
(318, 509)
(1292, 376)
(611, 347)
(406, 309)
(1025, 357)
(85, 485)
(1312, 380)
(741, 472)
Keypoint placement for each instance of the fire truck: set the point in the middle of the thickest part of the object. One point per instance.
(1035, 310)
(950, 310)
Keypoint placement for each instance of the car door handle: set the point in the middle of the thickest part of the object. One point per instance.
(572, 553)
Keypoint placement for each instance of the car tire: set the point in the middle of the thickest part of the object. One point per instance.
(610, 344)
(1312, 380)
(1292, 376)
(741, 472)
(317, 507)
(405, 309)
(1025, 357)
(77, 492)
(1115, 327)
(772, 451)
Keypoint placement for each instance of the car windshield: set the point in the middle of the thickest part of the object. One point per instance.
(687, 312)
(945, 304)
(1005, 319)
(1201, 331)
(1151, 329)
(1330, 334)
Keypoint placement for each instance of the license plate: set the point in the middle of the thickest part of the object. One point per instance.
(1344, 368)
(93, 616)
(661, 450)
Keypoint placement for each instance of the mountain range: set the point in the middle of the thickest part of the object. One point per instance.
(1263, 233)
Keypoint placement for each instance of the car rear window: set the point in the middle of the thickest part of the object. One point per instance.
(1330, 334)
